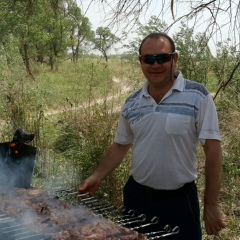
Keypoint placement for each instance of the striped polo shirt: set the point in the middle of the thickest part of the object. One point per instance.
(165, 136)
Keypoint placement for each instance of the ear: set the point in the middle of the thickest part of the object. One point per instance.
(175, 58)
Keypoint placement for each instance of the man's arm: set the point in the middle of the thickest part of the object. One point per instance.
(111, 160)
(213, 174)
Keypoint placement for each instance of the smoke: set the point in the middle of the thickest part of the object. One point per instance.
(43, 214)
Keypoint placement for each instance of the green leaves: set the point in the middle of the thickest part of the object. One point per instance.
(195, 56)
(42, 29)
(104, 40)
(154, 25)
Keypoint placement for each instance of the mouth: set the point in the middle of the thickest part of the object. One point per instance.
(156, 73)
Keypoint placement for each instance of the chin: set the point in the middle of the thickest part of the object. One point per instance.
(156, 80)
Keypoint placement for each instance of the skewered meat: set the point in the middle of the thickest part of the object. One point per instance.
(58, 220)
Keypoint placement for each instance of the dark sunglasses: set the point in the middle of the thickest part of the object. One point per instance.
(160, 58)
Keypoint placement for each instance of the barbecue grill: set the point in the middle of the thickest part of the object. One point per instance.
(35, 214)
(10, 229)
(41, 216)
(107, 210)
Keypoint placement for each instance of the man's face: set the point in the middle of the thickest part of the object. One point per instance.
(157, 74)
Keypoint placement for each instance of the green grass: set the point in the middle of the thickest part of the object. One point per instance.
(73, 82)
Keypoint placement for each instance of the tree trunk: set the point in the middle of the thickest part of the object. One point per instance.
(51, 62)
(105, 56)
(26, 60)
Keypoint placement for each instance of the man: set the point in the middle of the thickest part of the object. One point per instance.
(163, 122)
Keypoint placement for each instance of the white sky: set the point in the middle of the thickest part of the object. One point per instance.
(100, 16)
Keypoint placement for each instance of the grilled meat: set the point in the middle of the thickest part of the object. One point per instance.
(58, 220)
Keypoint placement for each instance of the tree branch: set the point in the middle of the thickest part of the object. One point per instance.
(224, 85)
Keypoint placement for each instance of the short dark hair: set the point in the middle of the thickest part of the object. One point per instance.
(157, 35)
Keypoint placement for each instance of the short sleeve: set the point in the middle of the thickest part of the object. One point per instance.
(124, 134)
(207, 120)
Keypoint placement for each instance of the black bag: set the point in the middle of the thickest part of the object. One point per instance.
(17, 161)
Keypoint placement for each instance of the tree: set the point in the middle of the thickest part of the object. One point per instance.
(58, 30)
(226, 67)
(154, 25)
(80, 29)
(28, 23)
(195, 60)
(42, 30)
(18, 25)
(104, 40)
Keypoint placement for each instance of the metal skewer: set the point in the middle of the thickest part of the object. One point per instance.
(174, 231)
(153, 221)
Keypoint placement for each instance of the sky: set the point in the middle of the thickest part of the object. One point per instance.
(100, 16)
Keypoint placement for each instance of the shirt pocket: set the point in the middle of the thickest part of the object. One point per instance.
(177, 124)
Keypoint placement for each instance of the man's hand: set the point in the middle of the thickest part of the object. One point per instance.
(213, 219)
(90, 185)
(110, 161)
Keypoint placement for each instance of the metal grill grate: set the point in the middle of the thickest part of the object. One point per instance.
(10, 229)
(106, 209)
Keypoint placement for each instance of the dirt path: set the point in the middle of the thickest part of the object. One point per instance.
(123, 88)
(122, 85)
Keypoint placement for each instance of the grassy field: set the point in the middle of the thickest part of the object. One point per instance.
(74, 112)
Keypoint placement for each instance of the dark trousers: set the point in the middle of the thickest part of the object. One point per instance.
(172, 207)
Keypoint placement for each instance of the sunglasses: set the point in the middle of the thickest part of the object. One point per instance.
(160, 58)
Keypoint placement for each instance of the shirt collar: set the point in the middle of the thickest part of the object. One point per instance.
(179, 82)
